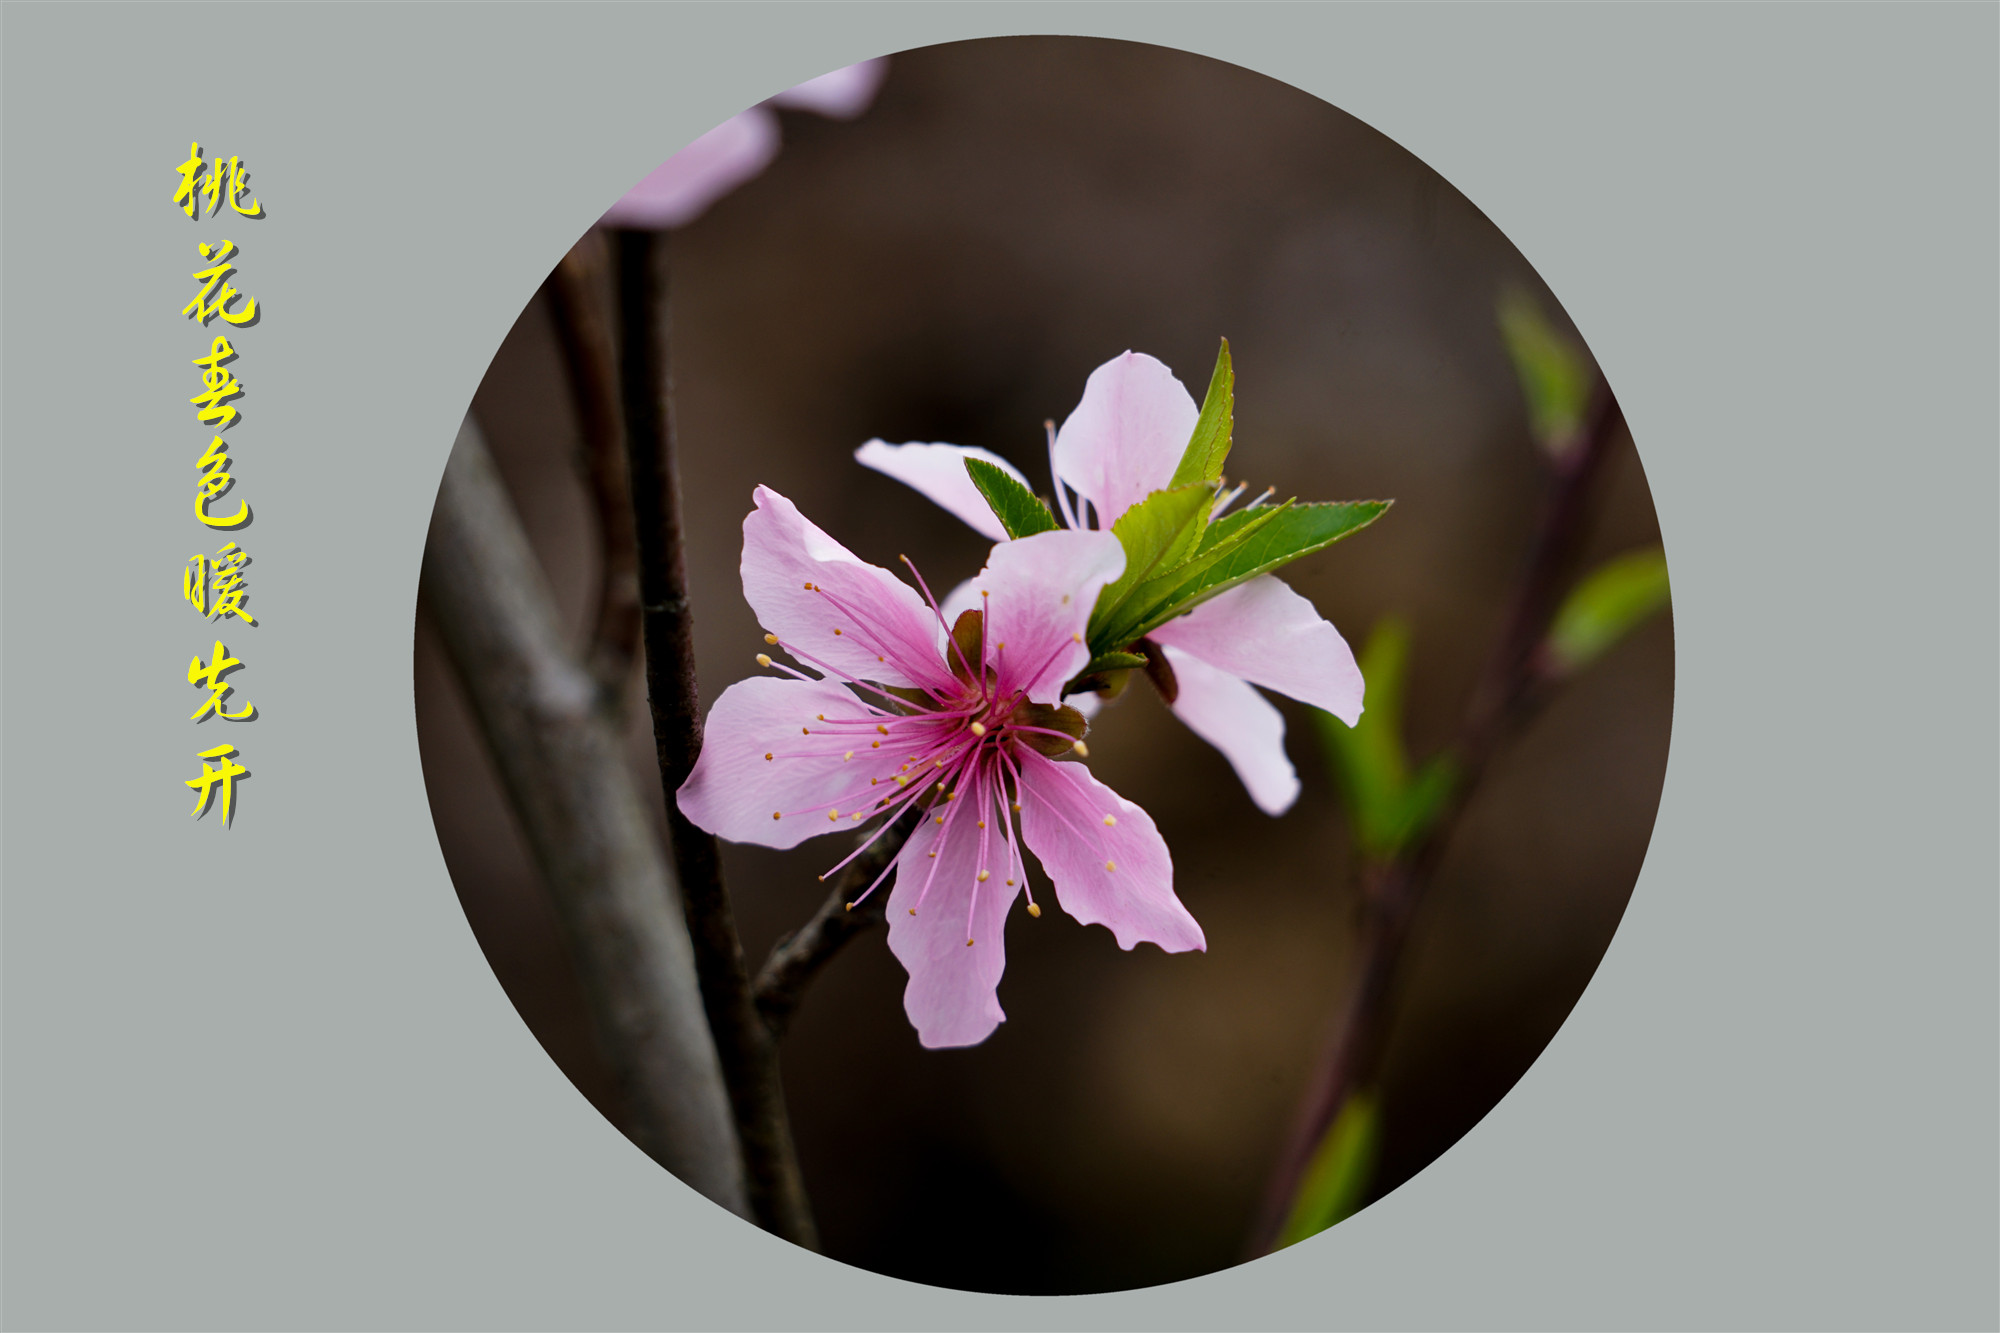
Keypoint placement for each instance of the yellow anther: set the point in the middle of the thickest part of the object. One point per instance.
(873, 781)
(879, 727)
(777, 814)
(1077, 638)
(849, 755)
(767, 754)
(968, 944)
(763, 659)
(1111, 821)
(849, 907)
(940, 819)
(836, 631)
(913, 911)
(978, 729)
(821, 716)
(1110, 865)
(940, 786)
(874, 745)
(771, 639)
(982, 823)
(1034, 909)
(833, 814)
(1017, 807)
(857, 816)
(1082, 750)
(805, 731)
(982, 876)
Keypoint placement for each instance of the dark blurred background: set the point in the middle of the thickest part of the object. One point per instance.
(951, 266)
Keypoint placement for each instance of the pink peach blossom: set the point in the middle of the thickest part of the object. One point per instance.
(681, 188)
(1122, 443)
(971, 736)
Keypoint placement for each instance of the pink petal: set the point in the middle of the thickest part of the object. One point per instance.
(1063, 810)
(938, 471)
(1267, 634)
(867, 623)
(1241, 723)
(1126, 437)
(963, 598)
(734, 789)
(951, 998)
(1042, 589)
(843, 94)
(681, 188)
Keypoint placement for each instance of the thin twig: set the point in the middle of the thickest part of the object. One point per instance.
(796, 959)
(584, 821)
(585, 338)
(1506, 696)
(747, 1049)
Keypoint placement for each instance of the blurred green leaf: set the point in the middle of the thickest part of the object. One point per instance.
(1554, 371)
(1614, 600)
(1019, 510)
(1266, 544)
(1208, 448)
(1387, 806)
(1336, 1180)
(1149, 532)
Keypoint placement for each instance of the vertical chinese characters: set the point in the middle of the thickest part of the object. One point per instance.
(215, 584)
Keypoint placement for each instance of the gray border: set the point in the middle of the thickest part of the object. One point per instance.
(266, 1079)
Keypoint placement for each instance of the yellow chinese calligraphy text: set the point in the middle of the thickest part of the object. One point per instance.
(208, 676)
(225, 774)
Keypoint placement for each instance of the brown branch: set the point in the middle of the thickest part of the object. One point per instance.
(1507, 694)
(584, 821)
(796, 959)
(747, 1048)
(585, 338)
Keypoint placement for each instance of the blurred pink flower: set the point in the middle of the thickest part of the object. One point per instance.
(968, 736)
(681, 188)
(1122, 443)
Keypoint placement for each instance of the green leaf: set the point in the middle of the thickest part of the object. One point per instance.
(1113, 662)
(1386, 807)
(1295, 531)
(1336, 1179)
(1614, 600)
(1019, 510)
(1149, 532)
(1220, 539)
(1208, 448)
(1555, 372)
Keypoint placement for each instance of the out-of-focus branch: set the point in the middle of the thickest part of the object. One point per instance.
(796, 959)
(1509, 691)
(748, 1050)
(584, 821)
(588, 359)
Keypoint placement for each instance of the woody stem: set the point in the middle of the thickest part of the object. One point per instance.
(1508, 693)
(746, 1046)
(797, 958)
